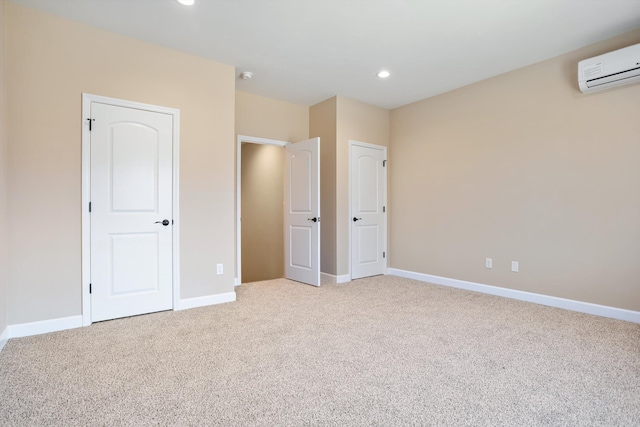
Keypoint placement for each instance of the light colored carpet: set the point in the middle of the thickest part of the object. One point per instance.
(382, 351)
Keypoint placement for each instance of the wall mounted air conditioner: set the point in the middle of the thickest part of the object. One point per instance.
(617, 68)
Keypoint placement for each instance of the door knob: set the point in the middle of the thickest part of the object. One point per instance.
(356, 219)
(164, 222)
(314, 219)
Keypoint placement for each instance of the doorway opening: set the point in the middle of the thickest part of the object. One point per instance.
(262, 212)
(301, 213)
(257, 159)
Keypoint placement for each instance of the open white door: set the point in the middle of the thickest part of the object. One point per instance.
(368, 210)
(302, 212)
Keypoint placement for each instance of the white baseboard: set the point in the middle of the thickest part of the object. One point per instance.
(4, 337)
(345, 278)
(236, 282)
(44, 326)
(568, 304)
(326, 277)
(53, 325)
(185, 304)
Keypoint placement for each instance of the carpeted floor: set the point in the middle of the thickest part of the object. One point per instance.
(382, 351)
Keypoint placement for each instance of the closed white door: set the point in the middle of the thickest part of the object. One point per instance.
(368, 210)
(302, 212)
(131, 211)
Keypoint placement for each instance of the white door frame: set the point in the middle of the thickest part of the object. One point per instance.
(386, 204)
(239, 140)
(87, 99)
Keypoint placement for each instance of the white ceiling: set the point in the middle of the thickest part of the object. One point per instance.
(305, 51)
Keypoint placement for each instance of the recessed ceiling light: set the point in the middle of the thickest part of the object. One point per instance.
(384, 74)
(187, 2)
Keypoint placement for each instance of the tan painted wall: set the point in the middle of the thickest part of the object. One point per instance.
(262, 212)
(3, 179)
(51, 62)
(360, 122)
(523, 167)
(322, 123)
(271, 118)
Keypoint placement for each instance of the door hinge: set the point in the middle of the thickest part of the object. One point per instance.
(89, 207)
(384, 209)
(384, 254)
(89, 287)
(90, 123)
(384, 163)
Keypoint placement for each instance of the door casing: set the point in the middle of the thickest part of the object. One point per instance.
(87, 99)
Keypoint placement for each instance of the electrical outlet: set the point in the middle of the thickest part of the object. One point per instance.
(488, 263)
(220, 269)
(515, 266)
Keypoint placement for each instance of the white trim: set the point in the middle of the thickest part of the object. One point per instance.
(265, 141)
(87, 99)
(44, 326)
(551, 301)
(187, 303)
(4, 338)
(72, 322)
(368, 145)
(239, 140)
(175, 207)
(345, 278)
(353, 142)
(85, 217)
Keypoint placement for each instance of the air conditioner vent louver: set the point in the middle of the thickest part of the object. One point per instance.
(623, 75)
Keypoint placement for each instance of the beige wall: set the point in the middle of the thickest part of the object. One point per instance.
(360, 122)
(50, 63)
(3, 179)
(270, 118)
(523, 167)
(262, 212)
(322, 123)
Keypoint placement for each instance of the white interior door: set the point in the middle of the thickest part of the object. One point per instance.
(131, 211)
(302, 212)
(368, 210)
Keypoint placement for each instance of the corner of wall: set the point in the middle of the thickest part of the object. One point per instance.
(357, 121)
(322, 123)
